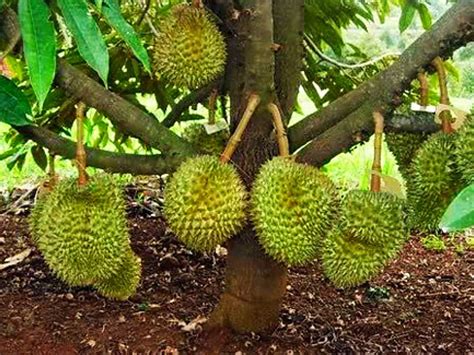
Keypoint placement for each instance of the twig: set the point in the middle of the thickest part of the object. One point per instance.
(375, 181)
(445, 116)
(81, 159)
(144, 13)
(422, 78)
(212, 107)
(234, 141)
(283, 145)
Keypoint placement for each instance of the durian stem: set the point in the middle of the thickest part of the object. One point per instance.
(423, 79)
(51, 170)
(80, 150)
(375, 181)
(212, 107)
(197, 3)
(283, 145)
(445, 115)
(254, 101)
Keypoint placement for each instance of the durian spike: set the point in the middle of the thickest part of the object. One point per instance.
(422, 78)
(283, 145)
(375, 181)
(254, 101)
(212, 107)
(445, 115)
(81, 159)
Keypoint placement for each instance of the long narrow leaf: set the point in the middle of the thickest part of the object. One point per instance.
(87, 35)
(39, 45)
(14, 106)
(114, 17)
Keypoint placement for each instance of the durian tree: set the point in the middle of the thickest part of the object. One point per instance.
(251, 56)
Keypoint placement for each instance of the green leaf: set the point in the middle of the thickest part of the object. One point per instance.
(39, 156)
(14, 107)
(39, 45)
(460, 213)
(114, 17)
(85, 31)
(408, 13)
(425, 16)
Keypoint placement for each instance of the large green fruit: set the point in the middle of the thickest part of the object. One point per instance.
(189, 50)
(434, 183)
(124, 282)
(212, 144)
(464, 150)
(82, 232)
(404, 147)
(349, 262)
(373, 217)
(205, 202)
(293, 207)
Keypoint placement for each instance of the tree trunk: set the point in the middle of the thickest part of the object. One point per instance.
(255, 283)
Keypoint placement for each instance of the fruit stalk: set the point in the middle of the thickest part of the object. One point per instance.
(51, 170)
(254, 101)
(422, 78)
(375, 181)
(445, 115)
(283, 145)
(81, 159)
(212, 107)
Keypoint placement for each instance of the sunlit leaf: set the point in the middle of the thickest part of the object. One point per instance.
(460, 213)
(408, 13)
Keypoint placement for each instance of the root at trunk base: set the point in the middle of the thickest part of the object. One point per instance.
(255, 288)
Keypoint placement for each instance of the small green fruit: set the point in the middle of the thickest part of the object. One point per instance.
(211, 144)
(205, 202)
(373, 217)
(464, 150)
(293, 207)
(434, 182)
(189, 50)
(124, 282)
(82, 232)
(348, 262)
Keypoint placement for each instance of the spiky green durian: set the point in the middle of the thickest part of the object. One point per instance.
(82, 231)
(464, 150)
(434, 182)
(189, 50)
(124, 282)
(293, 206)
(212, 144)
(205, 202)
(404, 147)
(348, 262)
(373, 217)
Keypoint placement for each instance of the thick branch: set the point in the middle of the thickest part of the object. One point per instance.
(452, 31)
(127, 117)
(109, 161)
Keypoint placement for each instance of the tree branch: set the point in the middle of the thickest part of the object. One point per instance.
(452, 31)
(109, 161)
(191, 99)
(348, 119)
(127, 117)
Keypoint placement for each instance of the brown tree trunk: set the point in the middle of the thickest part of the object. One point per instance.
(255, 283)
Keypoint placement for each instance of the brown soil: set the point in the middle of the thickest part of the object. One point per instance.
(424, 302)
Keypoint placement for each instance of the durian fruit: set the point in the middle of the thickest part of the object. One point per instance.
(434, 182)
(373, 217)
(205, 202)
(404, 147)
(189, 50)
(82, 231)
(211, 144)
(293, 207)
(370, 232)
(349, 262)
(464, 150)
(124, 282)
